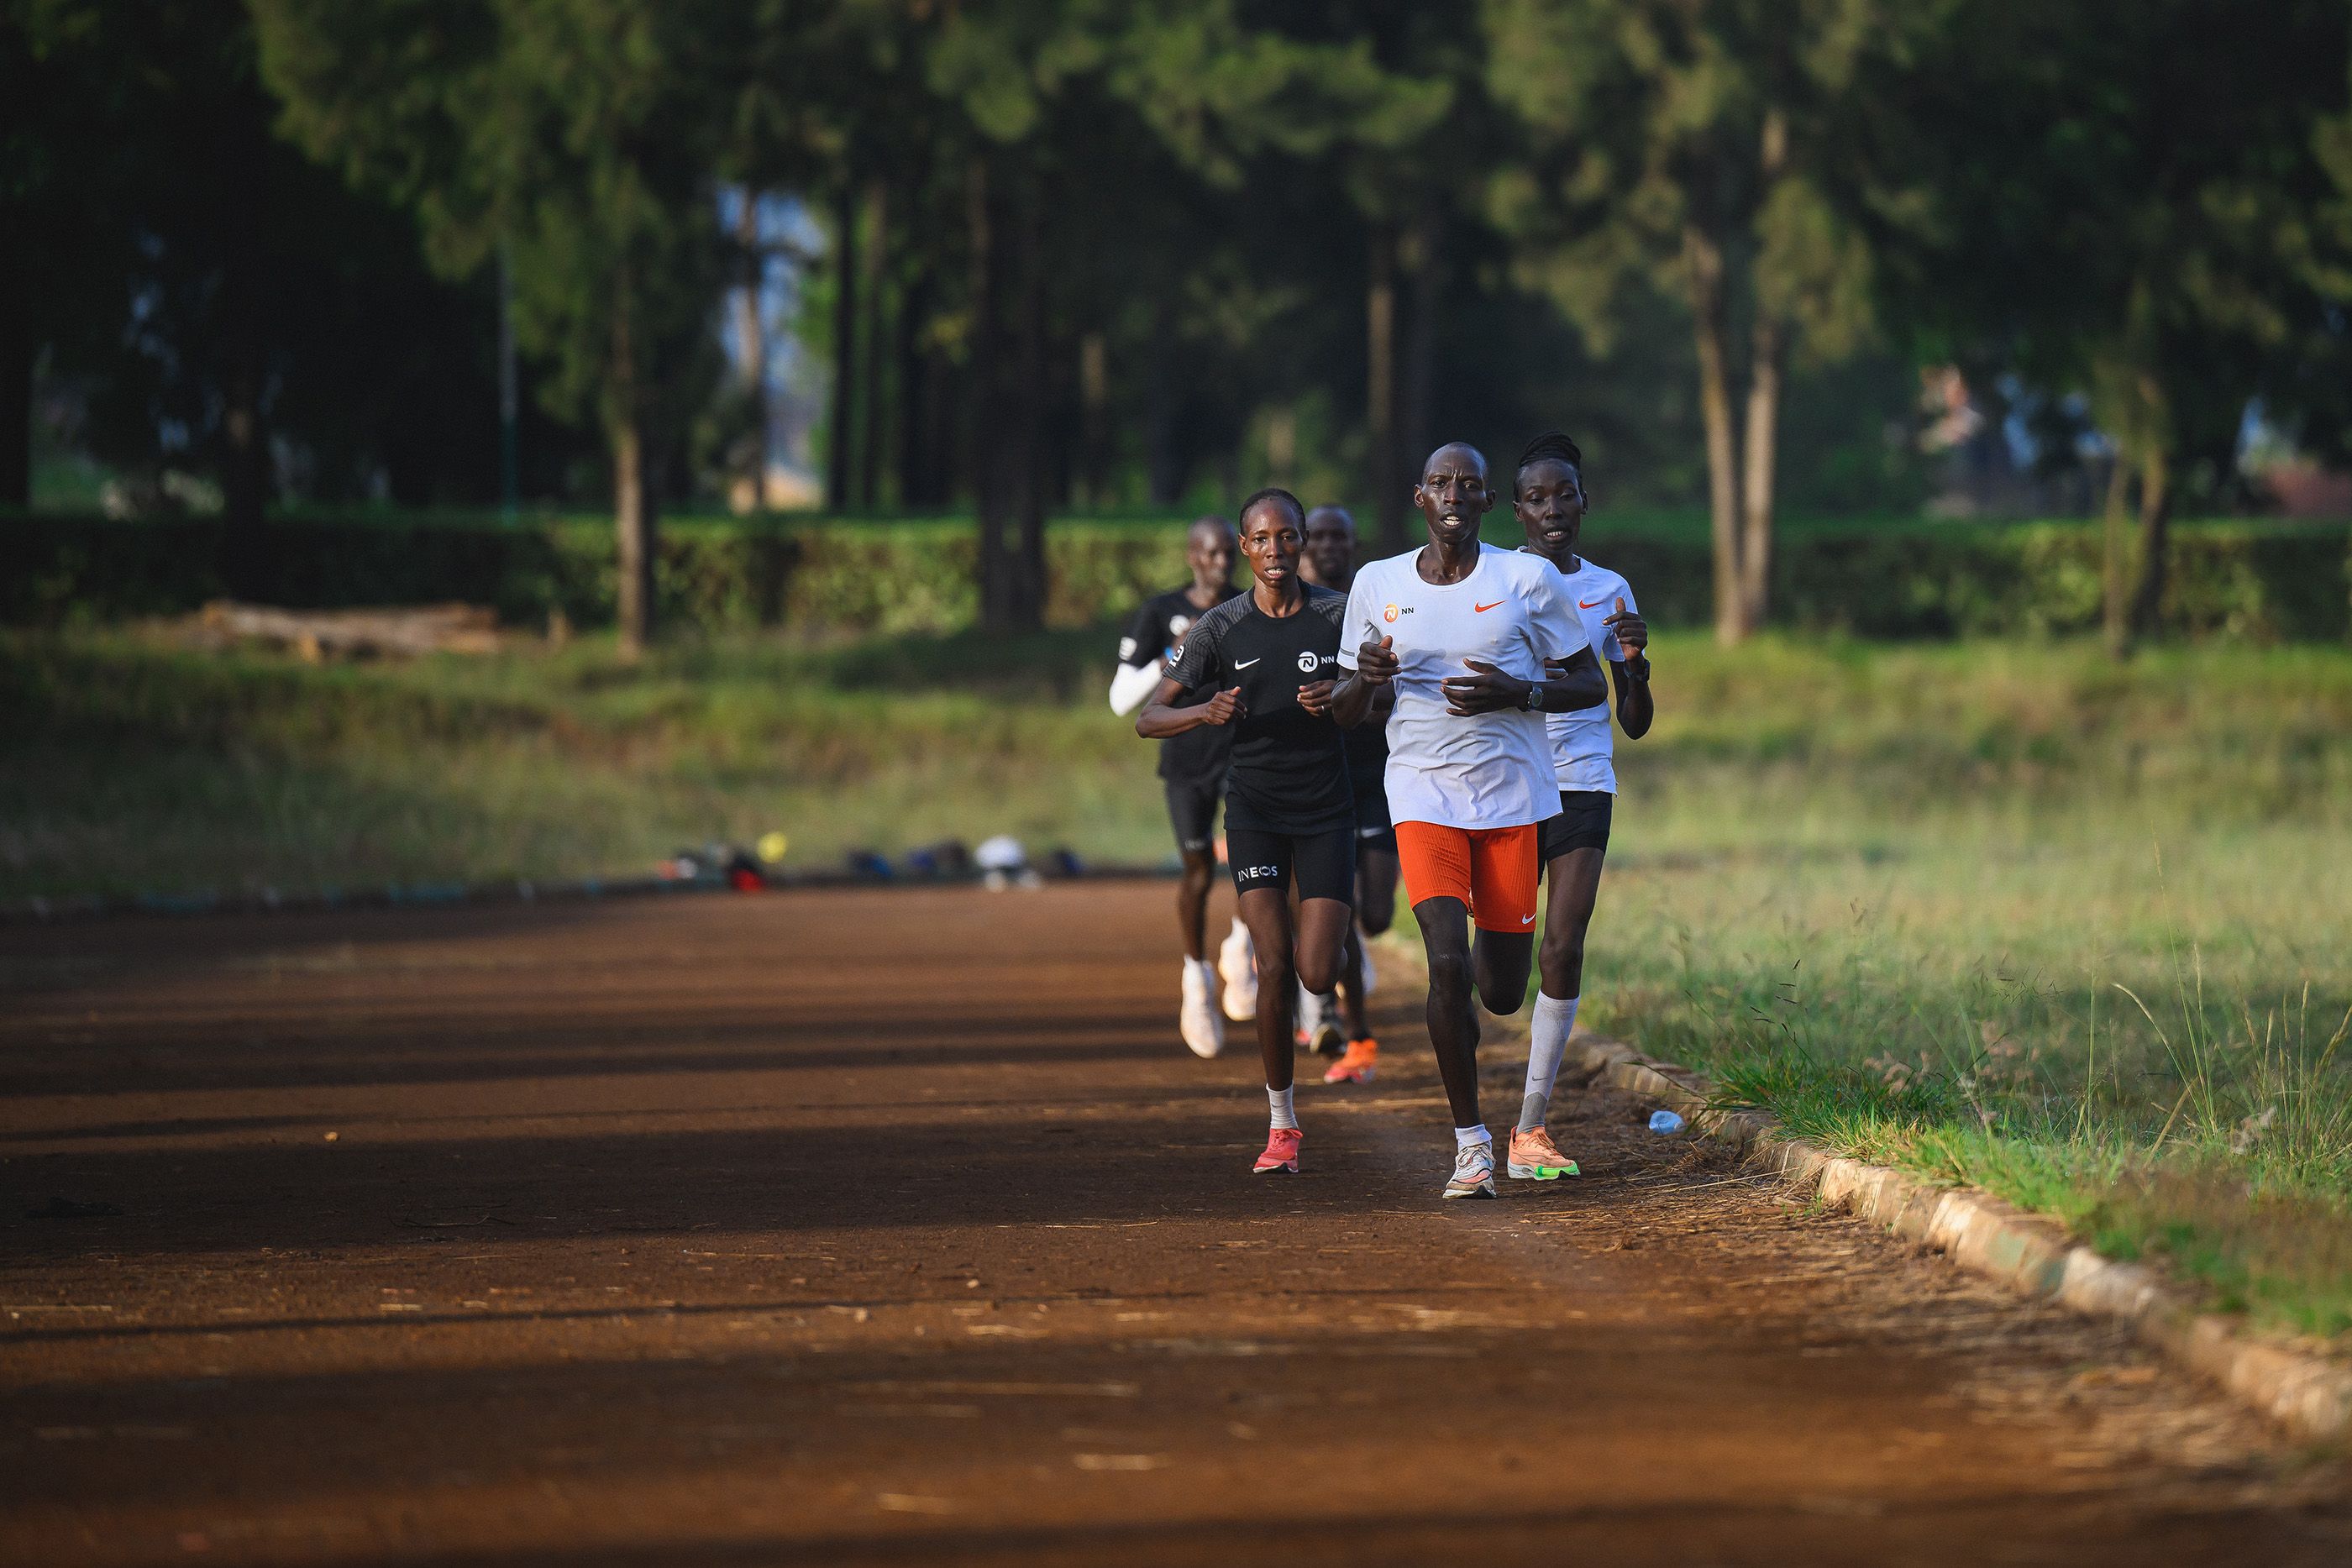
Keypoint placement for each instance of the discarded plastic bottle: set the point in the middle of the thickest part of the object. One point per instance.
(1665, 1122)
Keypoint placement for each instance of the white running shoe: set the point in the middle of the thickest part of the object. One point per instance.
(1202, 1027)
(1474, 1171)
(1237, 966)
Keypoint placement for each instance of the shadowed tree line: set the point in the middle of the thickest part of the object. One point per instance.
(1085, 254)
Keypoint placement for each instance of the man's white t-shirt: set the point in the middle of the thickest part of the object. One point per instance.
(1491, 769)
(1582, 743)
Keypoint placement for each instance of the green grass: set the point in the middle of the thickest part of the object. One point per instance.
(135, 766)
(2013, 915)
(2003, 912)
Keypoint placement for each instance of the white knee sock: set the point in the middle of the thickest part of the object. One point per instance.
(1548, 1043)
(1278, 1102)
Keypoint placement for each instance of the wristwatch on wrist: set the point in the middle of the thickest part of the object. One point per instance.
(1533, 702)
(1638, 666)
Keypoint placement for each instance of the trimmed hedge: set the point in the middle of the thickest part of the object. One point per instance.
(2255, 580)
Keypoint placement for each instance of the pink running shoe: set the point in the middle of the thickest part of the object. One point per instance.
(1281, 1152)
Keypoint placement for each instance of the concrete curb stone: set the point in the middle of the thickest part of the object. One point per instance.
(2300, 1389)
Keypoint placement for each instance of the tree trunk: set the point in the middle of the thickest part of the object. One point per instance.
(1026, 571)
(943, 403)
(988, 463)
(2114, 623)
(1094, 419)
(1427, 270)
(15, 382)
(912, 391)
(869, 400)
(633, 521)
(1385, 474)
(1163, 462)
(245, 460)
(1764, 379)
(1703, 263)
(633, 524)
(838, 436)
(751, 338)
(2155, 539)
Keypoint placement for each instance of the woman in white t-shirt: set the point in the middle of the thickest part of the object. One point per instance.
(1548, 494)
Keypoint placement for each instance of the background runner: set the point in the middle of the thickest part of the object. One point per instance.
(1191, 765)
(1548, 494)
(1330, 562)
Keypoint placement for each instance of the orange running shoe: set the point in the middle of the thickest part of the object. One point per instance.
(1534, 1157)
(1357, 1066)
(1281, 1152)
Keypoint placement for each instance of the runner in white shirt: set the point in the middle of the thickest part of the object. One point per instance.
(1549, 495)
(1464, 632)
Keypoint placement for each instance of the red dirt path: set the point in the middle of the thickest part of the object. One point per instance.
(882, 1227)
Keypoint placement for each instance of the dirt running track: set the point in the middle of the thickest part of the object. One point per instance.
(895, 1227)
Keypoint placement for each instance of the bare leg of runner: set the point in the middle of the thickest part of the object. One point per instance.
(1310, 956)
(1376, 884)
(1575, 878)
(1502, 960)
(1267, 912)
(1192, 901)
(1452, 1025)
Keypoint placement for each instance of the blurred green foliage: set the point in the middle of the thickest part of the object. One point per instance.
(2243, 581)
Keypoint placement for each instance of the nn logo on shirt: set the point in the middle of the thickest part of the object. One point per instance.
(1393, 611)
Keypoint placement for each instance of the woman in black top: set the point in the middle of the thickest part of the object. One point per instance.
(1268, 659)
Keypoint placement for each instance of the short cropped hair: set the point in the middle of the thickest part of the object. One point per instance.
(1274, 493)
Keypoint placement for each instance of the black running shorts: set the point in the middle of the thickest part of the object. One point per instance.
(1192, 811)
(1324, 863)
(1583, 824)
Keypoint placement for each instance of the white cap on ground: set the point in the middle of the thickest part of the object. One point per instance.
(1002, 852)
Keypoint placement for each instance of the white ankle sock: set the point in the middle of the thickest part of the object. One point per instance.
(1547, 1043)
(1465, 1136)
(1277, 1100)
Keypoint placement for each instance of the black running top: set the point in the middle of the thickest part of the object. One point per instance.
(1289, 771)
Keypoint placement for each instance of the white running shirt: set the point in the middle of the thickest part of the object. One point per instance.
(1494, 769)
(1582, 743)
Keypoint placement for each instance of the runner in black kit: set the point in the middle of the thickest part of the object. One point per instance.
(1330, 562)
(1267, 660)
(1191, 764)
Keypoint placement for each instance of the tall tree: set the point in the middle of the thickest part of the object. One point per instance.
(2138, 205)
(1693, 146)
(579, 134)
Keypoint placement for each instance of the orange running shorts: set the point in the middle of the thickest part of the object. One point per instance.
(1491, 870)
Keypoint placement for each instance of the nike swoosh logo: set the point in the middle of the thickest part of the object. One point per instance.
(1594, 605)
(1246, 663)
(1527, 920)
(1482, 608)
